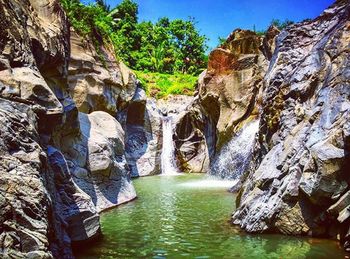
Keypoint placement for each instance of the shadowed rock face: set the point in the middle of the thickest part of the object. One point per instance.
(30, 203)
(97, 162)
(193, 135)
(228, 97)
(299, 180)
(141, 121)
(24, 203)
(58, 168)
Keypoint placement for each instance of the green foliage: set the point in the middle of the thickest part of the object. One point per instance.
(103, 5)
(276, 22)
(281, 25)
(160, 85)
(88, 19)
(261, 33)
(166, 46)
(221, 41)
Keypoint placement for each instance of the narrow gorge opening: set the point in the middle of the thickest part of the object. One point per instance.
(127, 138)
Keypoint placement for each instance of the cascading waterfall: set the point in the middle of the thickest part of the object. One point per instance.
(168, 150)
(233, 159)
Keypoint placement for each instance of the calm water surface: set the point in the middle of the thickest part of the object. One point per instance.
(183, 217)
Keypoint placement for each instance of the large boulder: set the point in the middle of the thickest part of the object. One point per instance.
(97, 161)
(299, 179)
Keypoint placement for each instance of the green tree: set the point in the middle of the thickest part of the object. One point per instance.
(103, 5)
(190, 46)
(125, 12)
(221, 41)
(281, 25)
(165, 46)
(126, 38)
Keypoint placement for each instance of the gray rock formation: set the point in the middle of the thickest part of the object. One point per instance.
(97, 161)
(142, 123)
(58, 168)
(299, 179)
(194, 140)
(97, 81)
(24, 202)
(228, 97)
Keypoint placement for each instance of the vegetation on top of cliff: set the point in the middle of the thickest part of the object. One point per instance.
(165, 46)
(160, 85)
(281, 25)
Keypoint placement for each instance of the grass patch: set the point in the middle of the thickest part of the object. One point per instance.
(160, 85)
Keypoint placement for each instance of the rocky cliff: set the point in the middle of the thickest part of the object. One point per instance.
(143, 127)
(62, 150)
(294, 84)
(75, 126)
(299, 180)
(227, 99)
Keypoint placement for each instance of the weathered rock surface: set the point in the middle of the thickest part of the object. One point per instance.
(72, 205)
(142, 123)
(58, 168)
(299, 180)
(97, 81)
(193, 134)
(229, 89)
(24, 202)
(97, 161)
(228, 97)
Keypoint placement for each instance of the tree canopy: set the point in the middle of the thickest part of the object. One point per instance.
(168, 46)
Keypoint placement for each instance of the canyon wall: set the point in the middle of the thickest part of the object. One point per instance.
(76, 125)
(62, 150)
(227, 99)
(299, 178)
(294, 176)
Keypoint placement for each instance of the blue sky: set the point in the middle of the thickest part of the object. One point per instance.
(220, 17)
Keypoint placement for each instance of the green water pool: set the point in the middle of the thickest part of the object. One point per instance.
(184, 216)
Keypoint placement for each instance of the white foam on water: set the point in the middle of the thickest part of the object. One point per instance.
(210, 183)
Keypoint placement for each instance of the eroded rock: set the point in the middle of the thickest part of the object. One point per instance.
(58, 169)
(299, 179)
(101, 170)
(228, 97)
(142, 123)
(97, 81)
